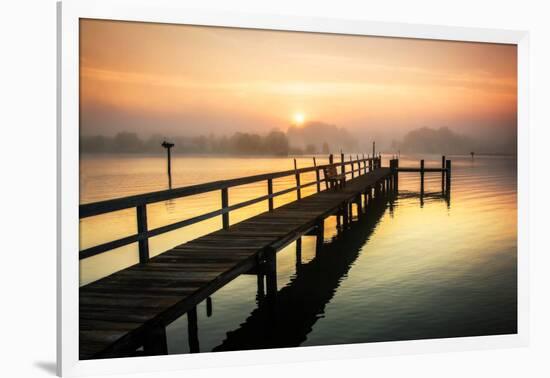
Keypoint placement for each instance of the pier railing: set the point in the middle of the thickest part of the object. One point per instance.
(358, 166)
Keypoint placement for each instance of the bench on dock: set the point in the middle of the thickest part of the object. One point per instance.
(332, 178)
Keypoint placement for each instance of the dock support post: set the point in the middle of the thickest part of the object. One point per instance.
(209, 306)
(396, 175)
(448, 175)
(141, 214)
(261, 287)
(154, 342)
(271, 274)
(298, 253)
(443, 173)
(193, 330)
(225, 205)
(422, 177)
(345, 214)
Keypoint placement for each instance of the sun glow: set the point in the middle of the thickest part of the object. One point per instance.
(299, 118)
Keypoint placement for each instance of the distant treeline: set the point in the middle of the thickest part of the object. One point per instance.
(446, 141)
(310, 139)
(273, 143)
(442, 140)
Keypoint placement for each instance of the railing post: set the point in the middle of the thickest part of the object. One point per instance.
(141, 214)
(364, 164)
(352, 170)
(331, 162)
(270, 193)
(370, 163)
(342, 163)
(298, 190)
(225, 205)
(317, 176)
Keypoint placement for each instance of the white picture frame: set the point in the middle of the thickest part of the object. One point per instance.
(171, 11)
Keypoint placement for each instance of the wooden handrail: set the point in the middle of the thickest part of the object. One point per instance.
(140, 202)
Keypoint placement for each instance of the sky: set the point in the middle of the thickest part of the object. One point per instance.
(189, 80)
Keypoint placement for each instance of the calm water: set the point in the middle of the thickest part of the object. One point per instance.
(412, 269)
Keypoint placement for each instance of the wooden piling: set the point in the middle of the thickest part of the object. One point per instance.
(345, 215)
(155, 341)
(448, 176)
(193, 330)
(443, 173)
(422, 177)
(396, 175)
(261, 286)
(271, 274)
(209, 306)
(298, 252)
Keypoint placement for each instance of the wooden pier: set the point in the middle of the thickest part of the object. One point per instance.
(129, 309)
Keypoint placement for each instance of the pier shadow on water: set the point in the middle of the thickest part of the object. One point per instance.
(287, 319)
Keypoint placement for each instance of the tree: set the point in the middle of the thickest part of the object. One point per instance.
(276, 143)
(128, 142)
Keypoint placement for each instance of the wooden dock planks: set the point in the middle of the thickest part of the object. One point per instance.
(116, 310)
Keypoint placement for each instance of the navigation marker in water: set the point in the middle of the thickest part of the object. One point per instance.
(168, 146)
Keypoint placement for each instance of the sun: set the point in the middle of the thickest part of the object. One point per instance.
(299, 118)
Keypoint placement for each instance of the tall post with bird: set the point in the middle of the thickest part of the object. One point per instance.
(168, 146)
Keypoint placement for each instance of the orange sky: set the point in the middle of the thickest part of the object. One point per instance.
(178, 80)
